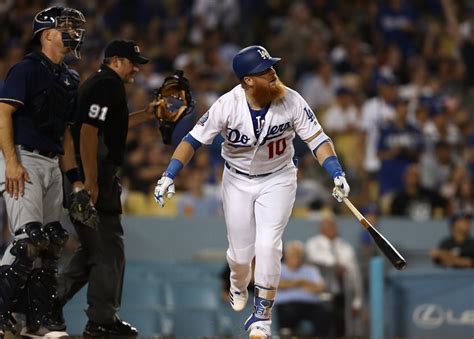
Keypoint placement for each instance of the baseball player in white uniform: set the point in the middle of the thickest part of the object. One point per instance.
(258, 120)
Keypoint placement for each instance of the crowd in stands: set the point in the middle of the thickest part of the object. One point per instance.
(391, 82)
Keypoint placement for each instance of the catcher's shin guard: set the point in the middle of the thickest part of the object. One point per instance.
(42, 286)
(14, 277)
(58, 237)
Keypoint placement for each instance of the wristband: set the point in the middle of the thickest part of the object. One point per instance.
(333, 167)
(73, 175)
(173, 168)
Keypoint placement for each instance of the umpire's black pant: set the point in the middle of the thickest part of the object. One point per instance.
(99, 261)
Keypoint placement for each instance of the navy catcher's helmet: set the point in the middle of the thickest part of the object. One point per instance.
(252, 60)
(70, 22)
(175, 101)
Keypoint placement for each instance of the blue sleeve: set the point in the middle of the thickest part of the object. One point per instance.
(183, 126)
(14, 89)
(192, 141)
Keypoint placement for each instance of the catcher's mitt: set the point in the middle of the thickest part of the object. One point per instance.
(82, 210)
(174, 101)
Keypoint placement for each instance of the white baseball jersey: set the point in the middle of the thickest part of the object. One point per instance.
(273, 149)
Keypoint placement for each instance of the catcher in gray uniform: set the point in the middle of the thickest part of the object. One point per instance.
(37, 104)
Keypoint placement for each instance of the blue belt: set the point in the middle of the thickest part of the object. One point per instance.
(230, 168)
(50, 155)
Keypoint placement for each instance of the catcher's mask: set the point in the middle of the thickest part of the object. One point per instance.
(69, 21)
(174, 102)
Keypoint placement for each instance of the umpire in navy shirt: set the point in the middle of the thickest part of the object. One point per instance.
(37, 103)
(102, 132)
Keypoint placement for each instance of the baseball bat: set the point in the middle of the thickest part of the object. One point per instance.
(383, 244)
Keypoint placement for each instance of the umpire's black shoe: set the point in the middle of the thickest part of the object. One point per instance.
(118, 328)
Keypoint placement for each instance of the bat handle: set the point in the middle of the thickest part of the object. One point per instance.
(356, 212)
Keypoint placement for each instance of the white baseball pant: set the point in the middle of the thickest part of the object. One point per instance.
(256, 212)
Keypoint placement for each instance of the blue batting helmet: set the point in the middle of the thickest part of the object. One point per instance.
(252, 60)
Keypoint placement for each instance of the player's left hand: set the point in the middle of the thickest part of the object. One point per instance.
(164, 185)
(341, 188)
(82, 210)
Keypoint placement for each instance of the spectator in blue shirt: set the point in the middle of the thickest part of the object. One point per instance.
(396, 23)
(400, 145)
(299, 291)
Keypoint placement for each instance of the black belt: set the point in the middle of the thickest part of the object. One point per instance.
(232, 169)
(50, 155)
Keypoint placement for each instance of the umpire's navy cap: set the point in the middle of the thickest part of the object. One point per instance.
(252, 60)
(125, 49)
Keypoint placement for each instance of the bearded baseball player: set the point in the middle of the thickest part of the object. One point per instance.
(258, 120)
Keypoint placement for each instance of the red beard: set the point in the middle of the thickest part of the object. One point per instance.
(265, 94)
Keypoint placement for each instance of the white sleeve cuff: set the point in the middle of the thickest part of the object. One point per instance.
(316, 142)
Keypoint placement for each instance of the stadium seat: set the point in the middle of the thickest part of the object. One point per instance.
(80, 298)
(198, 322)
(192, 295)
(147, 271)
(205, 269)
(145, 294)
(231, 322)
(160, 271)
(76, 319)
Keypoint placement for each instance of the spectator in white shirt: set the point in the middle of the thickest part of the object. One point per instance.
(375, 113)
(336, 259)
(319, 88)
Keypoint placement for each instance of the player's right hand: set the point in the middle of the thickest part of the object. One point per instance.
(164, 185)
(15, 177)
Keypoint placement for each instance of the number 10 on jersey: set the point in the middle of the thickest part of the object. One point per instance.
(276, 147)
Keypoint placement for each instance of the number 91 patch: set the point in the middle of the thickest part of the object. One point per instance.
(97, 112)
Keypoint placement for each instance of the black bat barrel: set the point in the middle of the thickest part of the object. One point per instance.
(386, 247)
